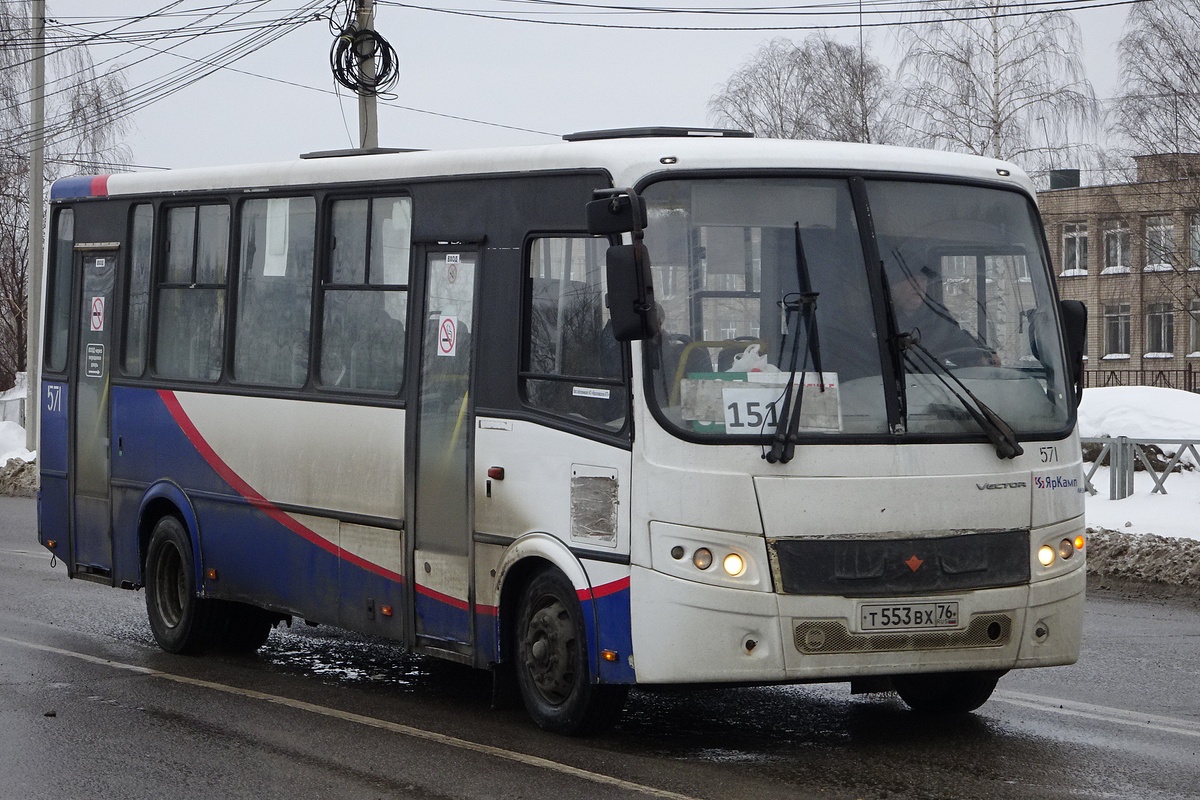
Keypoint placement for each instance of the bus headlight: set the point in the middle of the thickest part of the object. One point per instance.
(734, 565)
(702, 558)
(1046, 555)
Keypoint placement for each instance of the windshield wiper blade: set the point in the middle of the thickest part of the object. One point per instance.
(783, 443)
(999, 432)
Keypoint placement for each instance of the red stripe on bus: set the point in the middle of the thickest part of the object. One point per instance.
(99, 187)
(254, 498)
(603, 590)
(433, 594)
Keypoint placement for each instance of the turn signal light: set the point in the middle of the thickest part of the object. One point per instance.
(609, 655)
(211, 573)
(1080, 542)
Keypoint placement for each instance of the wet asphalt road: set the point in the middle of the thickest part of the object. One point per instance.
(89, 707)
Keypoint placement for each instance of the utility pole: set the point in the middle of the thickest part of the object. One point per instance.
(37, 170)
(368, 119)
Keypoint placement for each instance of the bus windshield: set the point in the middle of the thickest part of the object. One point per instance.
(887, 306)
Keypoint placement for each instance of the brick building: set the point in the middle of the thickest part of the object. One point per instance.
(1131, 252)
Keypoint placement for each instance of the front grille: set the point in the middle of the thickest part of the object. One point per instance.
(902, 567)
(825, 636)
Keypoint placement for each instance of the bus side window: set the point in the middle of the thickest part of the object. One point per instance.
(571, 364)
(274, 302)
(58, 293)
(365, 294)
(190, 313)
(137, 298)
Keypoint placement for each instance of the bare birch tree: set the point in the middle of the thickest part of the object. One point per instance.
(83, 134)
(1159, 109)
(818, 89)
(980, 79)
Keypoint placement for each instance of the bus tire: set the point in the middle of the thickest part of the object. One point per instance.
(181, 621)
(552, 664)
(946, 692)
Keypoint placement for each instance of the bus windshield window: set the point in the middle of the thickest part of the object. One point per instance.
(734, 259)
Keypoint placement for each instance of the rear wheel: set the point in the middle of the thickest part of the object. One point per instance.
(946, 692)
(552, 663)
(181, 621)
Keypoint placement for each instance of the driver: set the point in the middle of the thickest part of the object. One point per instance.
(933, 326)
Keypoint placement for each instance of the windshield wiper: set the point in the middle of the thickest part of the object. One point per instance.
(783, 443)
(999, 432)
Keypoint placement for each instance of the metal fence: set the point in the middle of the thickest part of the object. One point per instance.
(13, 410)
(1184, 379)
(1124, 454)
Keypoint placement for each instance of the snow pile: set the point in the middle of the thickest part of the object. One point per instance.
(1139, 412)
(16, 470)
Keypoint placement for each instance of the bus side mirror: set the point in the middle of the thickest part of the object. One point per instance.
(1074, 320)
(615, 211)
(630, 292)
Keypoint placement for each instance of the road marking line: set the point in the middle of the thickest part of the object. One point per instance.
(1101, 713)
(28, 553)
(404, 730)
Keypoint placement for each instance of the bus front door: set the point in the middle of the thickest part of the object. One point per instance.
(442, 431)
(91, 506)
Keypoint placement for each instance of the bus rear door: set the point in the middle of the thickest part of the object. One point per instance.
(90, 446)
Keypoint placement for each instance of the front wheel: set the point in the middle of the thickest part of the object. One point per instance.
(181, 621)
(946, 692)
(552, 663)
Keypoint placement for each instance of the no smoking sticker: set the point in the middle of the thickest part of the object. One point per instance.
(447, 336)
(96, 320)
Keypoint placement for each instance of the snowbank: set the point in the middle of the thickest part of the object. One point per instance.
(12, 443)
(1139, 412)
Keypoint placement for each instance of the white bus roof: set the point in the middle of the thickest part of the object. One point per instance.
(628, 160)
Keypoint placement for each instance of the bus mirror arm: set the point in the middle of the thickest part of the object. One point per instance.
(630, 298)
(1074, 320)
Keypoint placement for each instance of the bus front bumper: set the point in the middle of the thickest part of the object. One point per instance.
(688, 632)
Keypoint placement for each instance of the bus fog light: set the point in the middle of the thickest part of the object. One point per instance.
(734, 565)
(1066, 549)
(1046, 555)
(702, 558)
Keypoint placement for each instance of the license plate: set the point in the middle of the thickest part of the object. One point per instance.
(908, 616)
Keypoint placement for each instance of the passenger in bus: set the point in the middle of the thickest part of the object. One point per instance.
(932, 324)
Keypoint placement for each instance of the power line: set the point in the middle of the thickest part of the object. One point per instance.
(902, 16)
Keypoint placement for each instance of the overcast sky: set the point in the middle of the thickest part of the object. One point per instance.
(465, 80)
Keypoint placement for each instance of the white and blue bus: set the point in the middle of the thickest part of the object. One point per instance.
(641, 407)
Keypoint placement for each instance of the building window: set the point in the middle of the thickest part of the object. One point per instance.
(1160, 330)
(1074, 260)
(1160, 244)
(1116, 331)
(1116, 248)
(1194, 328)
(1194, 242)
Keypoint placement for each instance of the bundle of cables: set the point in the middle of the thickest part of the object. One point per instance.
(353, 49)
